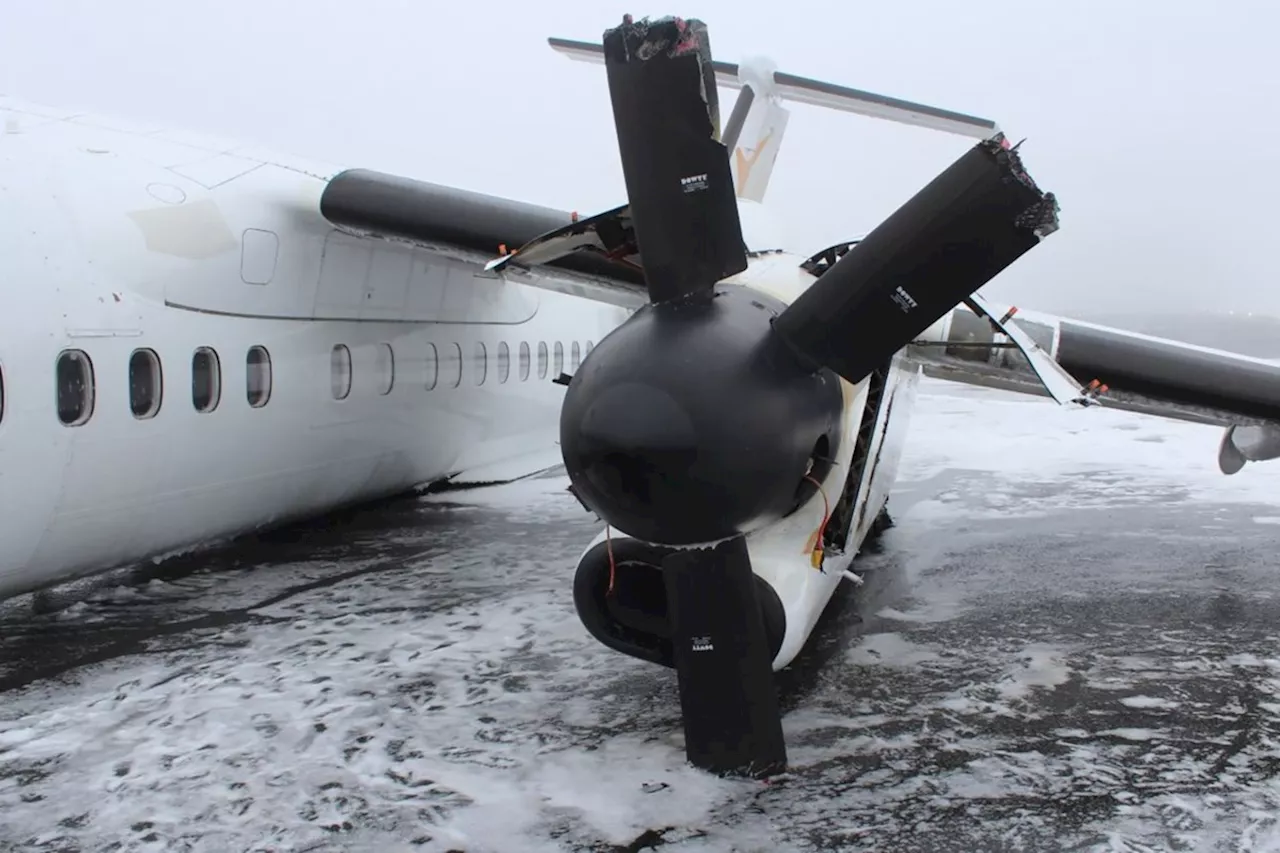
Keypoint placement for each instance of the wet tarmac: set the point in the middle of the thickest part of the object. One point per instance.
(1067, 642)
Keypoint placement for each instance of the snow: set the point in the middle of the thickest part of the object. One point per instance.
(1066, 642)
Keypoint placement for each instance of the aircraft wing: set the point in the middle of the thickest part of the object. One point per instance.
(597, 257)
(1086, 364)
(819, 93)
(594, 257)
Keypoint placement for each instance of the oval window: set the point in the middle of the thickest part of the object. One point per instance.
(258, 376)
(542, 359)
(524, 360)
(146, 384)
(431, 366)
(482, 363)
(206, 380)
(504, 361)
(386, 369)
(74, 374)
(340, 371)
(455, 365)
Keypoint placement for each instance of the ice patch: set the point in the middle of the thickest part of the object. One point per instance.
(922, 614)
(1038, 668)
(1131, 734)
(1148, 702)
(889, 649)
(456, 703)
(1021, 440)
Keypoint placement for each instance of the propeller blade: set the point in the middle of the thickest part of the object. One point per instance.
(973, 220)
(732, 722)
(679, 184)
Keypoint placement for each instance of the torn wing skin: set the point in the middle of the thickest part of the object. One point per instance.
(609, 235)
(1113, 368)
(472, 227)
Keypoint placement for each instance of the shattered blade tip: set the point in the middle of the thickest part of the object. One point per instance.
(1011, 159)
(1041, 218)
(668, 36)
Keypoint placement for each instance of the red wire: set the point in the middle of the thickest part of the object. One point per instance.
(826, 509)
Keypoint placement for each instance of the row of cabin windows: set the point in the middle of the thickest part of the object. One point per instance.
(76, 383)
(74, 375)
(446, 368)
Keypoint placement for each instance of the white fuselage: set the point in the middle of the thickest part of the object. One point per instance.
(189, 351)
(121, 239)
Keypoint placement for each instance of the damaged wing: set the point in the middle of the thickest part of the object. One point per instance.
(1084, 364)
(472, 226)
(609, 236)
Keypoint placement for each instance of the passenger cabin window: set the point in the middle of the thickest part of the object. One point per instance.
(586, 351)
(340, 372)
(386, 369)
(431, 366)
(542, 359)
(504, 362)
(558, 366)
(206, 380)
(1, 393)
(524, 360)
(575, 357)
(482, 362)
(258, 377)
(75, 387)
(146, 385)
(453, 368)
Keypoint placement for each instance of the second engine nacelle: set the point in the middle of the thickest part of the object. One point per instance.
(632, 619)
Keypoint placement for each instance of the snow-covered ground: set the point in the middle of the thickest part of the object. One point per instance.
(1068, 642)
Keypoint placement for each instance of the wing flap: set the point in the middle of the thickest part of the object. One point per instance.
(472, 226)
(609, 235)
(1057, 382)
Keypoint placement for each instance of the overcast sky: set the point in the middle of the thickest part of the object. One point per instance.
(1153, 122)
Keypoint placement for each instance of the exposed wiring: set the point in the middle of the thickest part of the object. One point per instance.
(816, 558)
(613, 566)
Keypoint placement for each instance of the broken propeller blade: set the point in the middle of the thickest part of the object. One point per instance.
(732, 722)
(679, 184)
(967, 225)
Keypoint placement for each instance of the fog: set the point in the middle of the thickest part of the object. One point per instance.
(1152, 124)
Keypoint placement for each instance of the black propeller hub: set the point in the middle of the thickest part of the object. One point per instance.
(693, 421)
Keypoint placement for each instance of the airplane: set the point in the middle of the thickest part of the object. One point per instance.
(200, 338)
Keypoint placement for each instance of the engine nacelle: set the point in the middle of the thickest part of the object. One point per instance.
(691, 422)
(633, 618)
